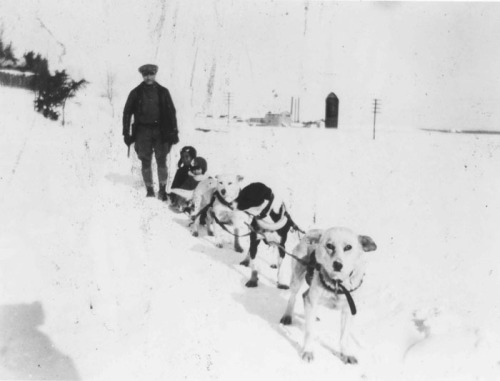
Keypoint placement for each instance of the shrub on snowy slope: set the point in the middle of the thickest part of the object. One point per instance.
(51, 91)
(7, 58)
(54, 91)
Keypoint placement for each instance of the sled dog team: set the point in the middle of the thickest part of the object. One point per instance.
(331, 261)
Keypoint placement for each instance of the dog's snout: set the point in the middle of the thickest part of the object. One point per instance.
(337, 266)
(223, 192)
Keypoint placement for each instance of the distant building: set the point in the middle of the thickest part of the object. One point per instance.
(256, 120)
(280, 120)
(332, 111)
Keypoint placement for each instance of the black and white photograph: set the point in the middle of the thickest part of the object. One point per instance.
(221, 190)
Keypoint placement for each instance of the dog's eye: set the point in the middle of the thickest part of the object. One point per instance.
(230, 183)
(330, 246)
(347, 248)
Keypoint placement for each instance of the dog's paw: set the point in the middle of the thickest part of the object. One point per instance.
(210, 233)
(282, 286)
(245, 262)
(346, 359)
(238, 249)
(274, 266)
(195, 234)
(286, 320)
(307, 356)
(252, 283)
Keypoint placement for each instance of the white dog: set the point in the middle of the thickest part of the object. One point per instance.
(222, 212)
(332, 262)
(194, 200)
(200, 200)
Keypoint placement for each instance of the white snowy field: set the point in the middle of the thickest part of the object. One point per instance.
(98, 283)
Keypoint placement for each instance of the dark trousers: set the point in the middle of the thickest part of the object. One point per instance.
(148, 141)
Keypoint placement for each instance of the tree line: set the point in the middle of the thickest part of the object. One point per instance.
(51, 90)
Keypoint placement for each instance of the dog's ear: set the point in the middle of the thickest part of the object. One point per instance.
(314, 236)
(239, 178)
(367, 243)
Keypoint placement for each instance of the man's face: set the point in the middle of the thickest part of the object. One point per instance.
(149, 78)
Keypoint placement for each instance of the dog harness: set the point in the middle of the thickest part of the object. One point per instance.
(266, 210)
(282, 217)
(217, 196)
(221, 200)
(333, 285)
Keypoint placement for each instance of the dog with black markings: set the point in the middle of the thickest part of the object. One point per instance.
(332, 262)
(271, 223)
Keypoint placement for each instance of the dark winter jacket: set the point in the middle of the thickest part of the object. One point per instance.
(135, 107)
(181, 176)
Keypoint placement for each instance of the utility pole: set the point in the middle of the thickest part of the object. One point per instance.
(376, 110)
(228, 100)
(296, 109)
(298, 112)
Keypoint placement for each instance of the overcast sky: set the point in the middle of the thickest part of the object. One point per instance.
(431, 64)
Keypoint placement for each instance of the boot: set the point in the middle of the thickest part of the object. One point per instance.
(151, 192)
(162, 193)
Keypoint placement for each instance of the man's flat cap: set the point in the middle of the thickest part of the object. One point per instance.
(148, 69)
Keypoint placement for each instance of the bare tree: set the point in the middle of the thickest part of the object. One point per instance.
(69, 91)
(110, 89)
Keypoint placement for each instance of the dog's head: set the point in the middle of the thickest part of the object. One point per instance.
(229, 186)
(253, 198)
(340, 252)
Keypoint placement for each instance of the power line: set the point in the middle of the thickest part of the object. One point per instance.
(229, 99)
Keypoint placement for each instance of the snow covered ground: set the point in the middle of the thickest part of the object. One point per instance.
(98, 283)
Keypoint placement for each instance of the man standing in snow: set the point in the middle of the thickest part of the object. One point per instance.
(154, 128)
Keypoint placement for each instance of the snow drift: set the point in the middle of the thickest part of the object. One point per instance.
(112, 285)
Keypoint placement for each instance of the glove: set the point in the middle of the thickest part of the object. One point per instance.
(172, 137)
(128, 139)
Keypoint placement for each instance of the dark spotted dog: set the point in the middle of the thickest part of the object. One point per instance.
(271, 222)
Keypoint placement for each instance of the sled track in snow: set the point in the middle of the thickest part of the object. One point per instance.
(19, 155)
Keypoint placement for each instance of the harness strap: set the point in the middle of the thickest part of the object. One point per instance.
(349, 298)
(300, 260)
(343, 290)
(266, 210)
(283, 213)
(223, 226)
(311, 266)
(202, 211)
(221, 200)
(215, 196)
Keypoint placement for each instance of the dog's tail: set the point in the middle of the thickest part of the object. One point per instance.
(292, 223)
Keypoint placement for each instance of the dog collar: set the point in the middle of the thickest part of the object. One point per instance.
(222, 201)
(336, 286)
